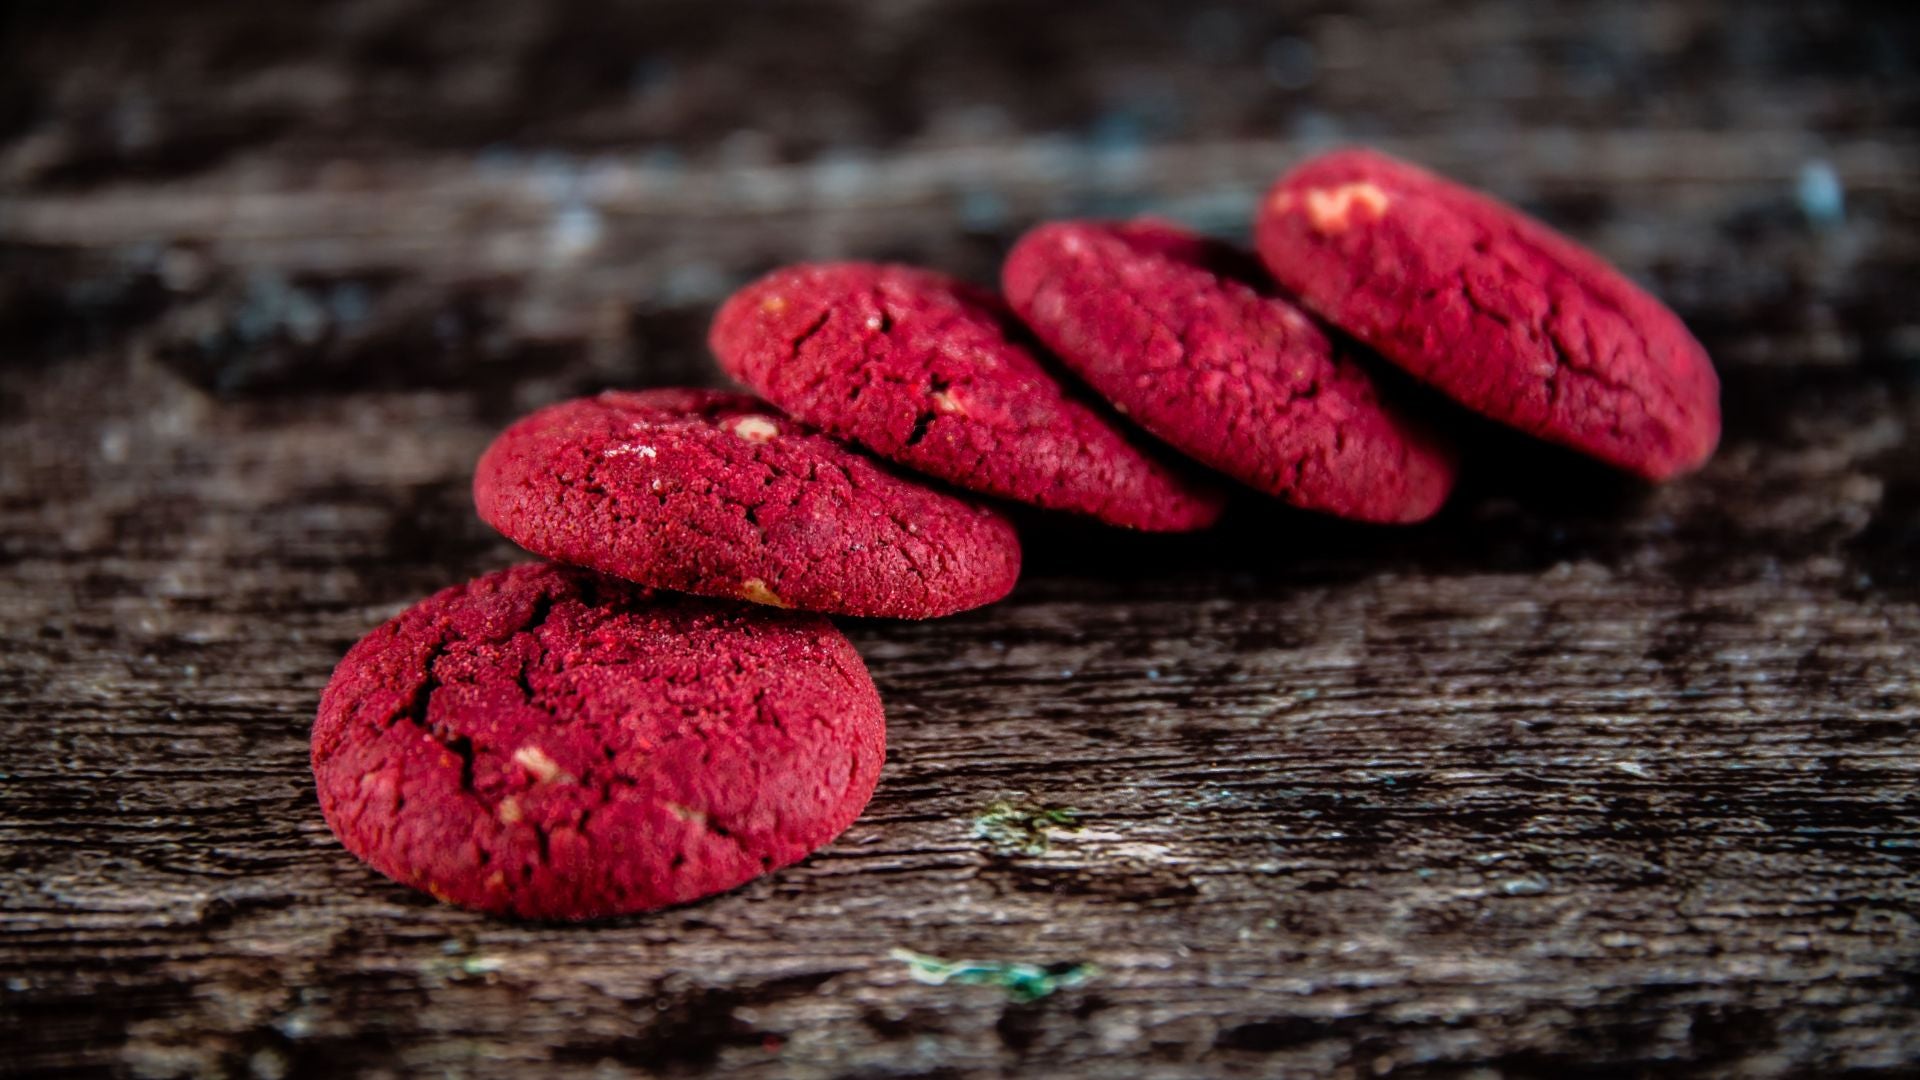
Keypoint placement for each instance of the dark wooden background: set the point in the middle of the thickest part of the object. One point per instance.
(1578, 780)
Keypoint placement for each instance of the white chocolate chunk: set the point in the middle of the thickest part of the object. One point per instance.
(757, 591)
(755, 429)
(543, 768)
(1330, 210)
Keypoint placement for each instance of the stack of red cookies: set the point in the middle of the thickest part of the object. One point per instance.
(572, 741)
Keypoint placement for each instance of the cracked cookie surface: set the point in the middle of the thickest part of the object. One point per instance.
(1172, 329)
(718, 494)
(929, 372)
(1494, 309)
(548, 743)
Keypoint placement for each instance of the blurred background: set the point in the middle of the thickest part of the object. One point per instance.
(534, 199)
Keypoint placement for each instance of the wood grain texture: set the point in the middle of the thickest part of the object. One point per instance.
(1580, 779)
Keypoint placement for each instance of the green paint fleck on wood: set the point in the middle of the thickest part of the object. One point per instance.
(1021, 981)
(1022, 826)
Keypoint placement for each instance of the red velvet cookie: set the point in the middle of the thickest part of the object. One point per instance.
(548, 743)
(717, 494)
(1498, 311)
(925, 370)
(1167, 327)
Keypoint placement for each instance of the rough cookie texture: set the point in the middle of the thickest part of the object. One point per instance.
(927, 371)
(718, 494)
(1173, 331)
(1498, 311)
(548, 743)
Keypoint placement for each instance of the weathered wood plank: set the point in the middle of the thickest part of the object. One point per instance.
(1579, 779)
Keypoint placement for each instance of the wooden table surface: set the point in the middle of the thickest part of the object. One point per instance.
(1580, 779)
